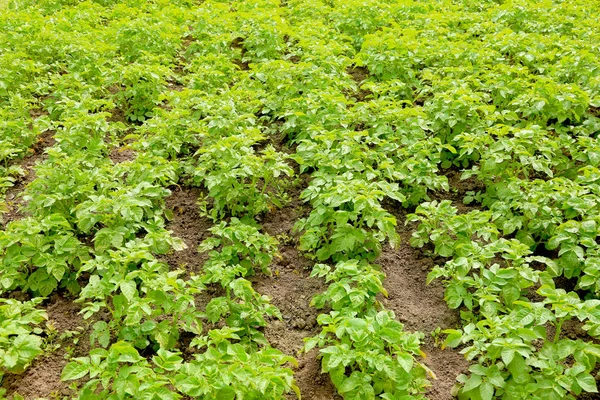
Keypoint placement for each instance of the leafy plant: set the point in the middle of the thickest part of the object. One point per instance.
(370, 356)
(20, 342)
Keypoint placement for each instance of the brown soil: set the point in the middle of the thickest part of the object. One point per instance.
(35, 113)
(421, 307)
(121, 154)
(359, 75)
(458, 191)
(42, 378)
(291, 290)
(188, 225)
(117, 114)
(14, 201)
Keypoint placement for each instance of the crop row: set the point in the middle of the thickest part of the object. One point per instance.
(95, 228)
(377, 99)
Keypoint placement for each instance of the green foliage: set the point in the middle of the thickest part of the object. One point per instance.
(347, 218)
(20, 342)
(138, 291)
(370, 356)
(118, 373)
(354, 286)
(239, 181)
(38, 255)
(242, 249)
(378, 104)
(231, 370)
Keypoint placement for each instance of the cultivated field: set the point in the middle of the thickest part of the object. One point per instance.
(326, 199)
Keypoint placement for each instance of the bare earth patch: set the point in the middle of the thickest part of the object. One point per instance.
(421, 307)
(188, 225)
(14, 201)
(42, 378)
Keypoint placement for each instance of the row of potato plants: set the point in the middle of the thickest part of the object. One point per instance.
(362, 347)
(514, 100)
(522, 123)
(20, 321)
(101, 224)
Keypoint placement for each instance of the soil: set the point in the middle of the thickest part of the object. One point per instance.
(291, 290)
(359, 75)
(421, 307)
(14, 201)
(188, 225)
(42, 378)
(121, 154)
(458, 189)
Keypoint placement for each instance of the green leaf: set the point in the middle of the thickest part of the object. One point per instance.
(74, 370)
(444, 249)
(587, 383)
(472, 383)
(486, 390)
(128, 288)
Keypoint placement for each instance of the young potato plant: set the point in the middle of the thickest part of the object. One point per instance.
(353, 285)
(505, 152)
(121, 213)
(20, 328)
(487, 280)
(40, 255)
(140, 87)
(517, 359)
(229, 369)
(370, 356)
(237, 249)
(448, 231)
(245, 309)
(137, 290)
(119, 373)
(347, 219)
(240, 181)
(169, 133)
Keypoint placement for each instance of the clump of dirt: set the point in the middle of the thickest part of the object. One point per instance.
(294, 59)
(359, 75)
(421, 307)
(188, 225)
(35, 113)
(117, 114)
(238, 43)
(313, 384)
(121, 154)
(176, 86)
(458, 190)
(42, 378)
(280, 221)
